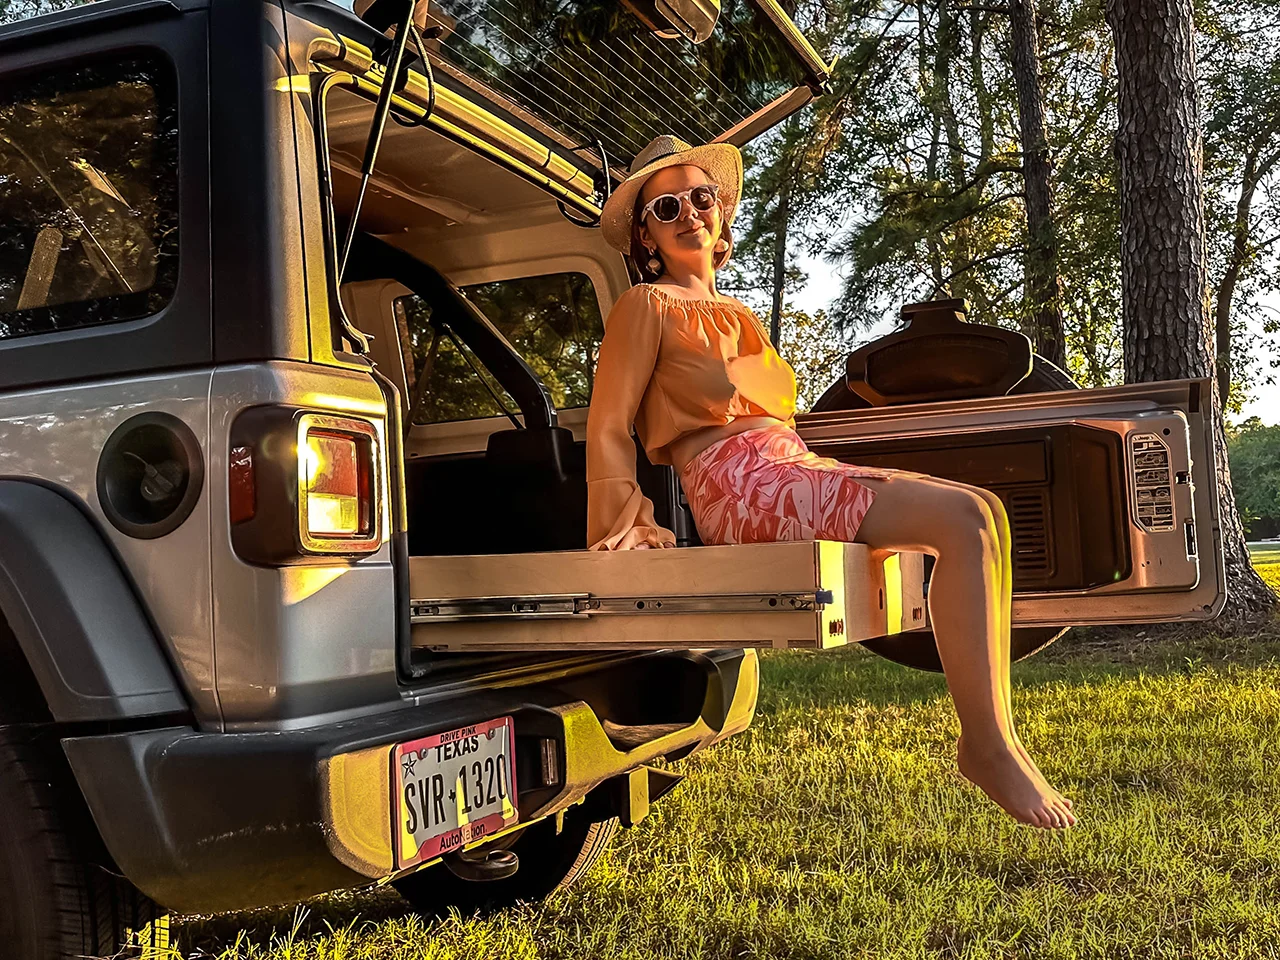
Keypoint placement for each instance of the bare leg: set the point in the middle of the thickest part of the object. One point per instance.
(968, 605)
(1006, 602)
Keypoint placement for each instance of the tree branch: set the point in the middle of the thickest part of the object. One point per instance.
(994, 255)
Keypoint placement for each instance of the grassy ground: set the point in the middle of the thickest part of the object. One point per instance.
(838, 827)
(1266, 557)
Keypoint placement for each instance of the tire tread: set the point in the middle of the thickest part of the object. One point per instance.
(89, 911)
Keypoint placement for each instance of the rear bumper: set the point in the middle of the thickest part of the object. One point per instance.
(206, 822)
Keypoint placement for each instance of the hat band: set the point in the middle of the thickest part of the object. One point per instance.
(661, 156)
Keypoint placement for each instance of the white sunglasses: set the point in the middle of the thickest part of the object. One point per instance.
(666, 207)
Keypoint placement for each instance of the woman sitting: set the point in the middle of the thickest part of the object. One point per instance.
(696, 375)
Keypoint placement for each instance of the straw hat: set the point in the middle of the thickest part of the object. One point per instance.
(721, 161)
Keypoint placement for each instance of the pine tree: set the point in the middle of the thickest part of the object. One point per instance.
(1167, 332)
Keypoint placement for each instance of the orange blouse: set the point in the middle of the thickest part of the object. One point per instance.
(670, 365)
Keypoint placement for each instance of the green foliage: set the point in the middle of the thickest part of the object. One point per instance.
(815, 351)
(906, 177)
(552, 320)
(1240, 83)
(1254, 450)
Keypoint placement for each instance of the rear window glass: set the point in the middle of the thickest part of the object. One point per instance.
(553, 321)
(593, 68)
(15, 11)
(88, 195)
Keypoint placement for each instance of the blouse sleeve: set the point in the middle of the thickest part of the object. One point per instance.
(619, 516)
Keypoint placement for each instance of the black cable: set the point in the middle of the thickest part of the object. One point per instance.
(427, 73)
(603, 185)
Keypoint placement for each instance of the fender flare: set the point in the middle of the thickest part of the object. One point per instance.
(74, 613)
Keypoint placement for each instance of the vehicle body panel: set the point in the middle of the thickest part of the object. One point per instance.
(56, 434)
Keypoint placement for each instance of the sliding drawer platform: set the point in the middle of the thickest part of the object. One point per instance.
(811, 594)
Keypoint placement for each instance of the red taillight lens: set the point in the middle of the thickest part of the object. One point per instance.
(241, 492)
(337, 499)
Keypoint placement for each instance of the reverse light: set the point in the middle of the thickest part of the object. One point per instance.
(336, 468)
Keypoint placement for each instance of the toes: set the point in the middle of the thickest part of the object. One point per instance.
(1065, 817)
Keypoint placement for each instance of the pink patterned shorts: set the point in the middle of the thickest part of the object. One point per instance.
(765, 485)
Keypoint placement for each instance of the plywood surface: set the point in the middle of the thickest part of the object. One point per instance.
(868, 598)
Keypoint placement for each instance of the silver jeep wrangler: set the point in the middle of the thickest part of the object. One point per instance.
(283, 341)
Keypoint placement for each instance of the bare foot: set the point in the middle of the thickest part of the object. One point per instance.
(1002, 775)
(1035, 770)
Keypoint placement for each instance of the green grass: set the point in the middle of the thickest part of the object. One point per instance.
(1266, 558)
(837, 826)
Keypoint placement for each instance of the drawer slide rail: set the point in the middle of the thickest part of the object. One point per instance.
(582, 605)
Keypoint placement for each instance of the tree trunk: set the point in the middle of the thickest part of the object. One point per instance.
(780, 260)
(1044, 285)
(1167, 334)
(981, 95)
(932, 243)
(946, 48)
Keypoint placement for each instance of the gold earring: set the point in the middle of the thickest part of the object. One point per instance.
(722, 245)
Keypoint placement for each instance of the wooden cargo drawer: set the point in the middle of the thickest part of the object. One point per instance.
(806, 594)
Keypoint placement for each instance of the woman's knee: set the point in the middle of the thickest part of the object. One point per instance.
(969, 517)
(995, 505)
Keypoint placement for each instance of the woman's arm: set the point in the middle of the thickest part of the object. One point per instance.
(619, 516)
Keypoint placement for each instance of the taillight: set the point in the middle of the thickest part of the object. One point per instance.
(336, 467)
(302, 486)
(336, 485)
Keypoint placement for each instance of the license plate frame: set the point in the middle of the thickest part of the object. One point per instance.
(434, 783)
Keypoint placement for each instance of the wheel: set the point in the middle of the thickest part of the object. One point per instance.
(548, 862)
(58, 901)
(918, 649)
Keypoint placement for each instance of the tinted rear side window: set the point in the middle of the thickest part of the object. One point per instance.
(15, 11)
(88, 195)
(552, 320)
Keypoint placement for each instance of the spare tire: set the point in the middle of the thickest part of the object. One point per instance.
(918, 649)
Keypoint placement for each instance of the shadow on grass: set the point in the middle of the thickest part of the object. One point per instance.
(213, 936)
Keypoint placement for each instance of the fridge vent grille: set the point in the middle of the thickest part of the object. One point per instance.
(1028, 520)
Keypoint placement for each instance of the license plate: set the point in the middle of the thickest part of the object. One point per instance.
(453, 788)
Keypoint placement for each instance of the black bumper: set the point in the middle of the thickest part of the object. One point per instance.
(206, 822)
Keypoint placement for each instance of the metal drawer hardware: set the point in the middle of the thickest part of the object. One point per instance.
(582, 605)
(1149, 463)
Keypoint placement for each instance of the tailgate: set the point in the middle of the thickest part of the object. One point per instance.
(1111, 493)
